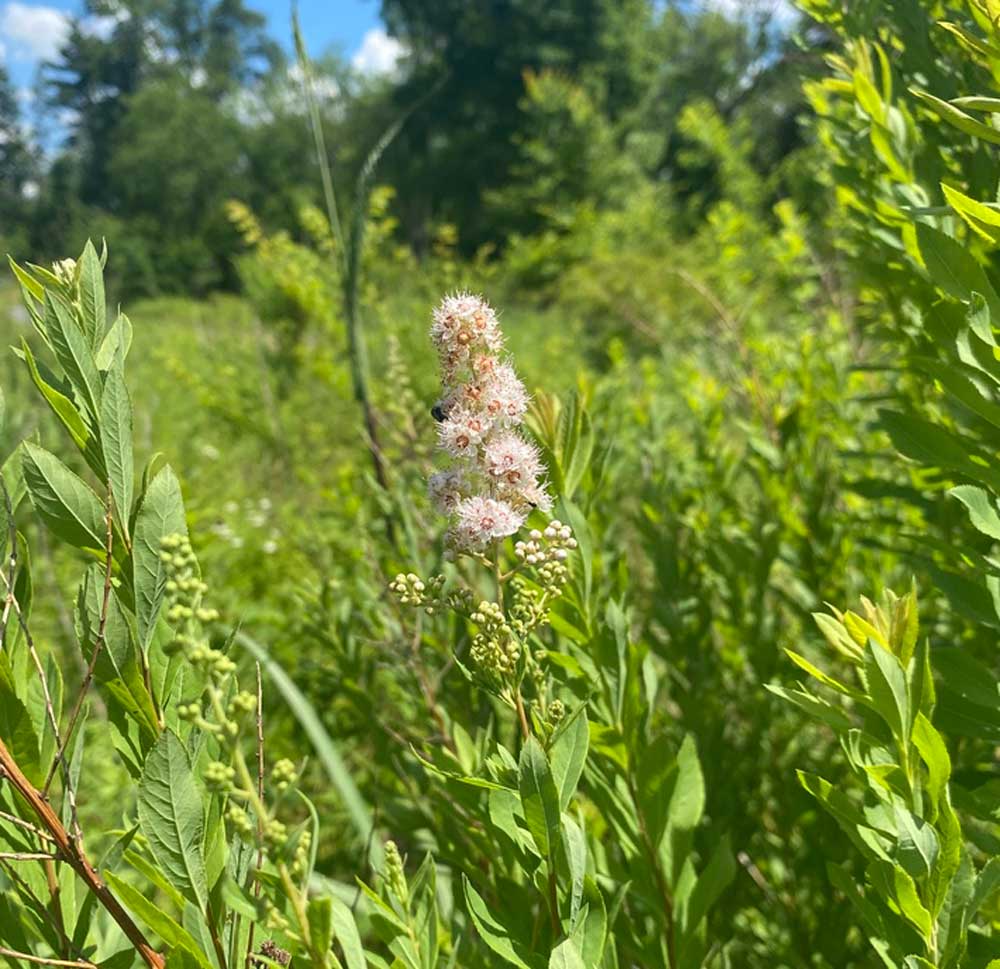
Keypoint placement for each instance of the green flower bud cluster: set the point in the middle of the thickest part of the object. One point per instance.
(219, 777)
(240, 822)
(283, 775)
(303, 850)
(242, 705)
(184, 588)
(409, 588)
(275, 834)
(556, 712)
(495, 648)
(395, 875)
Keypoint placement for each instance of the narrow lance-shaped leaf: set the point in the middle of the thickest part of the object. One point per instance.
(116, 441)
(74, 353)
(539, 798)
(92, 300)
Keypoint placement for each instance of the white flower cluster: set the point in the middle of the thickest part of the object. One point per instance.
(497, 477)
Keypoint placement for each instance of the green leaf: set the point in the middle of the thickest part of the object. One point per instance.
(118, 341)
(345, 931)
(93, 305)
(566, 956)
(73, 353)
(569, 755)
(957, 118)
(116, 441)
(162, 924)
(981, 218)
(59, 403)
(181, 957)
(16, 727)
(161, 513)
(712, 882)
(887, 688)
(687, 802)
(65, 502)
(981, 508)
(118, 671)
(657, 781)
(932, 445)
(917, 844)
(539, 798)
(494, 933)
(171, 817)
(953, 269)
(320, 915)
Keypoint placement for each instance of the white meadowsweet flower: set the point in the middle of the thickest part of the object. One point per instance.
(461, 432)
(464, 324)
(482, 520)
(510, 460)
(503, 395)
(497, 478)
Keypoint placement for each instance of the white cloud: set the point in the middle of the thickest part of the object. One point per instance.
(378, 54)
(103, 26)
(32, 32)
(782, 11)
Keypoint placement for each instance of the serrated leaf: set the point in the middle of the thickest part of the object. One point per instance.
(63, 500)
(116, 442)
(117, 341)
(172, 818)
(59, 403)
(161, 513)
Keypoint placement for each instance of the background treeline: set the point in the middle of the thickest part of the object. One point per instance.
(741, 269)
(158, 112)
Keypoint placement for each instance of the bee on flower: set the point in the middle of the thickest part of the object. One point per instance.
(497, 476)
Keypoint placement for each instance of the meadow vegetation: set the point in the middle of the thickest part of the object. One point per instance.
(698, 666)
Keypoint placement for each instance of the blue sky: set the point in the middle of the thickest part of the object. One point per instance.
(30, 30)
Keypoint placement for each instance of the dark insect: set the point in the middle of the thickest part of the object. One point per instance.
(438, 412)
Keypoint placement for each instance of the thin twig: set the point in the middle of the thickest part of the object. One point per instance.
(42, 961)
(95, 653)
(29, 856)
(260, 795)
(72, 850)
(27, 825)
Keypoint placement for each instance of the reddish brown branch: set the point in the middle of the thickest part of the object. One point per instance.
(72, 851)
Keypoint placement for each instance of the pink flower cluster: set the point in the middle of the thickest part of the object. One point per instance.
(497, 476)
